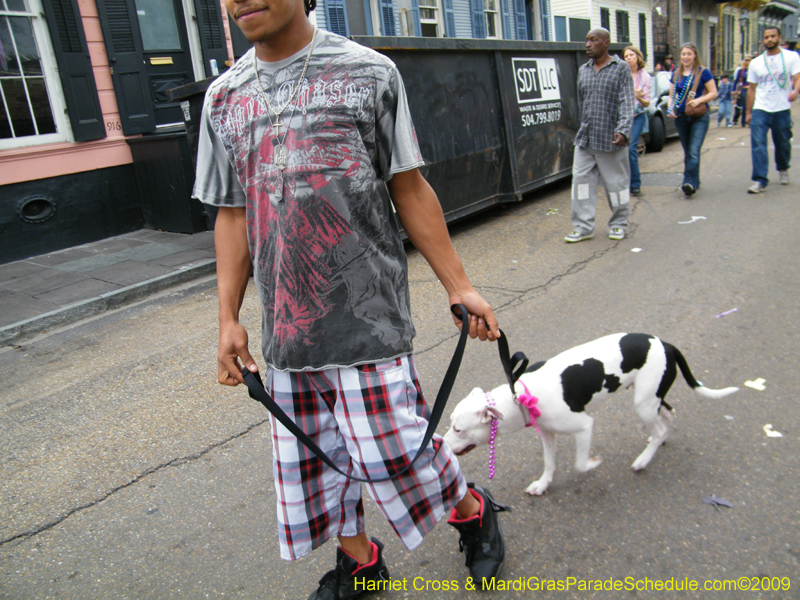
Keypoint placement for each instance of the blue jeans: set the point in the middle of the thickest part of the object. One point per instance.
(692, 131)
(633, 150)
(725, 112)
(781, 125)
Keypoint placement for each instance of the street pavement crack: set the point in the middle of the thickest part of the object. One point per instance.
(520, 296)
(175, 462)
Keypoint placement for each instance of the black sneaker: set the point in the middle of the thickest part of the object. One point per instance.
(481, 539)
(348, 580)
(688, 189)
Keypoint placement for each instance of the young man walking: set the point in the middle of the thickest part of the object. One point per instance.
(306, 145)
(774, 79)
(605, 105)
(725, 103)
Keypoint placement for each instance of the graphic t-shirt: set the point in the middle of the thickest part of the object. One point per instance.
(680, 82)
(773, 74)
(328, 259)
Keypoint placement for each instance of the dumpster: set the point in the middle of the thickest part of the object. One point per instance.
(164, 172)
(494, 119)
(191, 97)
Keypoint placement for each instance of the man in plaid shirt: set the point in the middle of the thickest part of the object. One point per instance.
(605, 104)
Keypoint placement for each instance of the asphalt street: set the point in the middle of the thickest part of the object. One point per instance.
(127, 472)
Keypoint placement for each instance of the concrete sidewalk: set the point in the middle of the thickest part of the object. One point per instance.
(55, 289)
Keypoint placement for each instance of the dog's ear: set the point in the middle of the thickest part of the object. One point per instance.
(489, 413)
(475, 393)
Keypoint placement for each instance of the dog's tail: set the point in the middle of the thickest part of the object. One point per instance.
(698, 387)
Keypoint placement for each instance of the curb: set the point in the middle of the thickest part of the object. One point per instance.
(108, 301)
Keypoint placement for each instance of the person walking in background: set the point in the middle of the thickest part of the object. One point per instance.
(691, 89)
(641, 91)
(322, 240)
(725, 103)
(605, 106)
(740, 90)
(774, 79)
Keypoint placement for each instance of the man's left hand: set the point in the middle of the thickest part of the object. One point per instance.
(619, 139)
(792, 95)
(482, 322)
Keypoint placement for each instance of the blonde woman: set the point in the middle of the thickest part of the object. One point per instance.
(691, 89)
(641, 90)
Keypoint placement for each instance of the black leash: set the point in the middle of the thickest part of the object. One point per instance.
(258, 392)
(513, 366)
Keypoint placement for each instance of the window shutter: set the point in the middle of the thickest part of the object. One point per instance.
(521, 19)
(449, 19)
(478, 19)
(387, 18)
(126, 58)
(336, 13)
(508, 34)
(212, 34)
(545, 11)
(415, 14)
(75, 69)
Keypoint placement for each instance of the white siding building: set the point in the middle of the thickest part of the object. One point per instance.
(629, 22)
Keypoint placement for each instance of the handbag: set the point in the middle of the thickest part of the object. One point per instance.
(700, 109)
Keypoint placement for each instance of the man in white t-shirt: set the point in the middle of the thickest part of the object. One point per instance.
(774, 79)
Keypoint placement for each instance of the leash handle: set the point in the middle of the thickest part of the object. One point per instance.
(258, 392)
(513, 366)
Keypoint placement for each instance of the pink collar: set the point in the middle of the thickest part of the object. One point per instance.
(529, 402)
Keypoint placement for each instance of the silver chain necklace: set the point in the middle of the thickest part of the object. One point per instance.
(280, 152)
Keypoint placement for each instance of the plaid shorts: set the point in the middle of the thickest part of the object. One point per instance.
(370, 420)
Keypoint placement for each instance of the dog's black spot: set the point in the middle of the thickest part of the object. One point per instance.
(634, 348)
(670, 372)
(612, 383)
(535, 366)
(581, 382)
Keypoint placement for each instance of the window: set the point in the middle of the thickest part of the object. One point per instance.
(643, 34)
(387, 18)
(429, 18)
(578, 28)
(687, 30)
(336, 13)
(560, 26)
(605, 18)
(623, 30)
(27, 114)
(490, 8)
(571, 29)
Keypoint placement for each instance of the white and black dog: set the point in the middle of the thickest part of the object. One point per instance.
(566, 386)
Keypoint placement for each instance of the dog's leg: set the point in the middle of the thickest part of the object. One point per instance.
(656, 426)
(538, 487)
(583, 443)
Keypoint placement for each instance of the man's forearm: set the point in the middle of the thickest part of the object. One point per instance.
(233, 261)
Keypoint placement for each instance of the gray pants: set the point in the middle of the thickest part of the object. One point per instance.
(587, 167)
